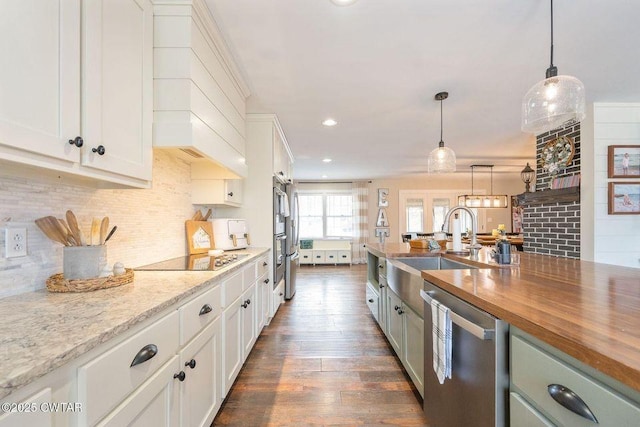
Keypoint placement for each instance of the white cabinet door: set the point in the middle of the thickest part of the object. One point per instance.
(201, 393)
(32, 416)
(394, 321)
(39, 79)
(277, 298)
(233, 191)
(249, 320)
(232, 342)
(413, 347)
(263, 290)
(117, 87)
(155, 403)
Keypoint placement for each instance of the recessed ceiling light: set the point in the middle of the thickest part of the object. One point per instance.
(324, 176)
(327, 160)
(343, 2)
(329, 122)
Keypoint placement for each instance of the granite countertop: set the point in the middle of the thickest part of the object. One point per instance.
(588, 310)
(41, 331)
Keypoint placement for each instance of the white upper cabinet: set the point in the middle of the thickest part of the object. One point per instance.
(39, 79)
(117, 52)
(282, 157)
(199, 96)
(77, 96)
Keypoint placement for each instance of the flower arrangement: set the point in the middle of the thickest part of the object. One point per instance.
(557, 155)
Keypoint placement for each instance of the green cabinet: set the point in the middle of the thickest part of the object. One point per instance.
(551, 388)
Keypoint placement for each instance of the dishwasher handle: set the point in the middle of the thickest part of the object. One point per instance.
(476, 330)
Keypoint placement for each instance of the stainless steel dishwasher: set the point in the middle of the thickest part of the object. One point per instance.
(477, 393)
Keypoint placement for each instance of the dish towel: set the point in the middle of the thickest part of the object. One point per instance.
(441, 320)
(285, 206)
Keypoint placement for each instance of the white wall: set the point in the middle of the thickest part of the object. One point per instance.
(616, 237)
(150, 222)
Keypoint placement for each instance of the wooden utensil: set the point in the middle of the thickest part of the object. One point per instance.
(75, 230)
(206, 217)
(113, 230)
(50, 230)
(197, 216)
(95, 231)
(104, 228)
(67, 232)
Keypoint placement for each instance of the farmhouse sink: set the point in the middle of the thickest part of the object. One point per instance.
(404, 278)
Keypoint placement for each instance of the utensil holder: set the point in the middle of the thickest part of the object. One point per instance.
(83, 262)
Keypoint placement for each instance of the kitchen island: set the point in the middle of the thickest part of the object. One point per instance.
(587, 310)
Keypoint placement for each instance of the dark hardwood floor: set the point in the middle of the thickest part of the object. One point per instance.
(323, 361)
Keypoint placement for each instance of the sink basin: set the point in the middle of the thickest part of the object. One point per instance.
(404, 278)
(432, 263)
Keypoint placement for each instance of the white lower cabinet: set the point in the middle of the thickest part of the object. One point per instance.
(110, 377)
(34, 416)
(249, 321)
(200, 392)
(264, 290)
(153, 404)
(372, 301)
(232, 342)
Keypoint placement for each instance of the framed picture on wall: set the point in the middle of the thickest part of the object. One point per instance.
(624, 161)
(624, 198)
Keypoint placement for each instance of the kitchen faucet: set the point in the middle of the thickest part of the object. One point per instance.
(474, 247)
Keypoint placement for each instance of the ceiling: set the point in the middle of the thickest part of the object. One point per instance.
(375, 67)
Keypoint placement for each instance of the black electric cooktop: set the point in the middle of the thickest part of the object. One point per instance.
(200, 262)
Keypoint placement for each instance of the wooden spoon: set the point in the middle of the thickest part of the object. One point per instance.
(75, 230)
(95, 231)
(206, 217)
(44, 225)
(67, 232)
(197, 216)
(104, 228)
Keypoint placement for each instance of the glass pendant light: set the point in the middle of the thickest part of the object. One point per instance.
(441, 159)
(554, 101)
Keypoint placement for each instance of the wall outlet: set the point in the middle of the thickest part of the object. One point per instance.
(15, 242)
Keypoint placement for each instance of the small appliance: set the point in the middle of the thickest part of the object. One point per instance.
(230, 233)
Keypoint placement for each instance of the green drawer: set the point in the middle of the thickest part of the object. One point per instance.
(533, 370)
(524, 415)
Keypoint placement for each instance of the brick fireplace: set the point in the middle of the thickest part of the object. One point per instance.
(551, 219)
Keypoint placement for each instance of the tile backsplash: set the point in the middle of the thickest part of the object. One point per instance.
(150, 222)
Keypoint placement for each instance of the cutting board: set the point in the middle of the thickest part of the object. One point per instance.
(199, 236)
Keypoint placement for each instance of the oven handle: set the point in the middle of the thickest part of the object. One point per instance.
(472, 328)
(281, 237)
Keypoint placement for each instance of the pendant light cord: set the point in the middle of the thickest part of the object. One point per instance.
(441, 141)
(552, 71)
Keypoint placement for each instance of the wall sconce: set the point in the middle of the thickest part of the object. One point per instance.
(483, 201)
(527, 176)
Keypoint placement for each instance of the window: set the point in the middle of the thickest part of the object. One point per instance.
(325, 215)
(415, 213)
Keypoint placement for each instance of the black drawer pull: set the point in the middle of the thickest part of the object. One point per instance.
(191, 363)
(205, 309)
(371, 300)
(100, 150)
(266, 281)
(567, 398)
(264, 264)
(147, 352)
(180, 376)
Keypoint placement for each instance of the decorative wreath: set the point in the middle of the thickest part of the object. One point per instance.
(557, 155)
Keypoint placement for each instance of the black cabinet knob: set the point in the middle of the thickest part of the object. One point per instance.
(230, 194)
(191, 363)
(381, 286)
(244, 305)
(400, 312)
(100, 150)
(264, 264)
(371, 300)
(77, 141)
(180, 376)
(248, 301)
(266, 281)
(396, 308)
(281, 294)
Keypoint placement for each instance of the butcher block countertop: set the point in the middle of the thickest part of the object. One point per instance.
(41, 331)
(588, 310)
